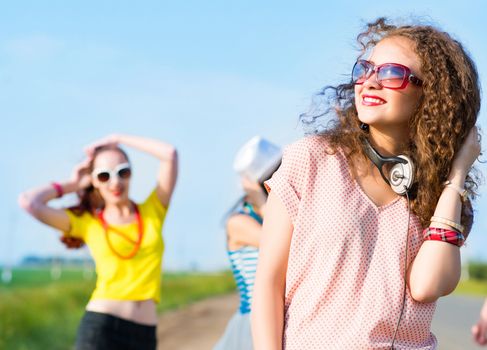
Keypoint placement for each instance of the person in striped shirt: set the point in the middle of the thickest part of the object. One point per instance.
(255, 163)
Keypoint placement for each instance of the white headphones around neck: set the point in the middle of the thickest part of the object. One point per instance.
(401, 175)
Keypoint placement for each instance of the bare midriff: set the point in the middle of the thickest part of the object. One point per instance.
(139, 311)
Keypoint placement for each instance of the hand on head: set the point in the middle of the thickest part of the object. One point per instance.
(81, 174)
(468, 152)
(110, 140)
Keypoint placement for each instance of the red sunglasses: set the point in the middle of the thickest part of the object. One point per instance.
(388, 75)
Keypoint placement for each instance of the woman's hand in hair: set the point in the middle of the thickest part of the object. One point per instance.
(428, 282)
(81, 174)
(467, 154)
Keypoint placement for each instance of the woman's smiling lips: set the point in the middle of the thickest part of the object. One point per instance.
(117, 193)
(372, 100)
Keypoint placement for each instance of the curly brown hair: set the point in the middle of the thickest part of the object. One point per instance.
(448, 110)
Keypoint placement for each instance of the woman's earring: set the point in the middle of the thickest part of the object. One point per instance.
(364, 127)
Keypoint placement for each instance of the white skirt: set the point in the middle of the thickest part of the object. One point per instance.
(238, 335)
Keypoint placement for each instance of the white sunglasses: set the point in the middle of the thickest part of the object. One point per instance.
(122, 171)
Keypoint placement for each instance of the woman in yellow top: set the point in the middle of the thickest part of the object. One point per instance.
(124, 239)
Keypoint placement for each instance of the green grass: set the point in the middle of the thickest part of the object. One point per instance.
(472, 287)
(40, 276)
(180, 289)
(39, 313)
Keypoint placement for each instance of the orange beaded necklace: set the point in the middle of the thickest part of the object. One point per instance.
(136, 243)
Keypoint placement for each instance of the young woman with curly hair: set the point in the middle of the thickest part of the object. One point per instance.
(124, 239)
(355, 254)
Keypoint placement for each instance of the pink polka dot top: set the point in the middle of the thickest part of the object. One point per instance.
(344, 282)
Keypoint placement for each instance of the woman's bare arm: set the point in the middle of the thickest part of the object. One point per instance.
(269, 290)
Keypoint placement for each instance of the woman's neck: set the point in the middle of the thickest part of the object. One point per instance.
(389, 143)
(120, 210)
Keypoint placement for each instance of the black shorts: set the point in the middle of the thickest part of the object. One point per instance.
(99, 331)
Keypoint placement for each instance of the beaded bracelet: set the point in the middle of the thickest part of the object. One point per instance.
(444, 235)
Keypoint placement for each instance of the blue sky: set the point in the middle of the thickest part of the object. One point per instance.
(205, 76)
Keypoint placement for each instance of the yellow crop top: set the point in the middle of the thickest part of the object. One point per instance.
(138, 278)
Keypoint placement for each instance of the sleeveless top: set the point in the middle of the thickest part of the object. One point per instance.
(344, 280)
(244, 263)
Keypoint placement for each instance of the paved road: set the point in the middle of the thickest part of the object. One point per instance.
(199, 326)
(453, 318)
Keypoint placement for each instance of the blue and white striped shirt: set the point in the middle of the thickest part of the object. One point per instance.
(244, 265)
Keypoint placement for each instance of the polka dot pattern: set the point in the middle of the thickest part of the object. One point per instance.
(344, 283)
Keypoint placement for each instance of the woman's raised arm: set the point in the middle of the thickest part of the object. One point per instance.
(435, 271)
(35, 201)
(165, 152)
